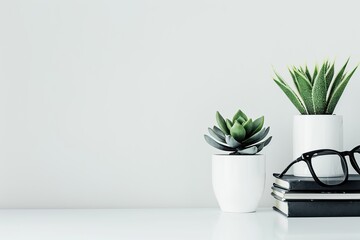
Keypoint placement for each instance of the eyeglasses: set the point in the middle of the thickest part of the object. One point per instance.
(317, 159)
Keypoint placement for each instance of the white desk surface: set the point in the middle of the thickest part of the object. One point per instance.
(159, 224)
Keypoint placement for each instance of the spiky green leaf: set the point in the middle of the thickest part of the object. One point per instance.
(319, 91)
(316, 70)
(293, 78)
(308, 75)
(330, 75)
(305, 91)
(279, 77)
(334, 98)
(292, 96)
(301, 69)
(339, 77)
(221, 123)
(327, 65)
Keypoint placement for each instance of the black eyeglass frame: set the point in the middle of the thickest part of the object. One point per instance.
(307, 157)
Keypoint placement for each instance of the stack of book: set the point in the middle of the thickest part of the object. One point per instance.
(303, 197)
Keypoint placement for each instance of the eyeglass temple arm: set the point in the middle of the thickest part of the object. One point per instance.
(290, 165)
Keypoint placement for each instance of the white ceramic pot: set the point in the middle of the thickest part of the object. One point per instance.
(238, 181)
(312, 132)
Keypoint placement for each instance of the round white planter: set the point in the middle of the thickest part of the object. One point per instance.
(238, 181)
(312, 132)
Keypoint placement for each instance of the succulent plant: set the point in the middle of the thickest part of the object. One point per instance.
(240, 136)
(316, 93)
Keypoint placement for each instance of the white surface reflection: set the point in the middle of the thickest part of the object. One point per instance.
(238, 226)
(344, 228)
(170, 224)
(108, 224)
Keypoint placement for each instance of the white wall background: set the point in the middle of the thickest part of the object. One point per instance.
(104, 103)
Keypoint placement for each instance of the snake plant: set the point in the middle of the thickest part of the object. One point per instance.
(240, 136)
(316, 93)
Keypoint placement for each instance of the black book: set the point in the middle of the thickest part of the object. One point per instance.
(293, 183)
(318, 208)
(287, 195)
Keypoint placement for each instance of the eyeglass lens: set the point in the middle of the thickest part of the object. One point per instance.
(357, 156)
(330, 168)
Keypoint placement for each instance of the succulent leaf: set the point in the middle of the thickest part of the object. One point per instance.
(267, 141)
(241, 115)
(231, 141)
(222, 124)
(248, 125)
(214, 135)
(334, 98)
(244, 135)
(292, 96)
(319, 91)
(305, 91)
(257, 137)
(219, 133)
(229, 124)
(216, 144)
(238, 131)
(240, 120)
(258, 125)
(248, 151)
(261, 145)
